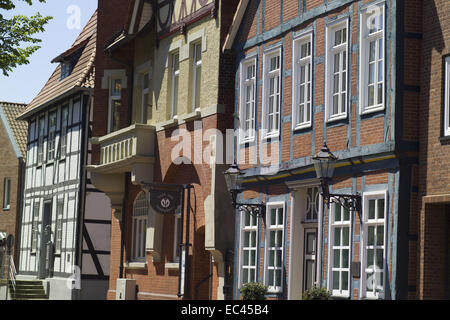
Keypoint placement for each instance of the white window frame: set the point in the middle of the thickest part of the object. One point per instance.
(7, 194)
(330, 52)
(145, 91)
(139, 227)
(366, 39)
(447, 97)
(267, 75)
(298, 62)
(243, 230)
(332, 225)
(175, 76)
(59, 225)
(176, 237)
(35, 227)
(41, 135)
(64, 131)
(269, 228)
(247, 136)
(51, 140)
(376, 195)
(112, 98)
(196, 72)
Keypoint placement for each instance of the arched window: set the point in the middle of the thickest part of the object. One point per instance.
(140, 214)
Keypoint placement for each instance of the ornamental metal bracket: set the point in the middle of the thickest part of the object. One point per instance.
(255, 209)
(348, 201)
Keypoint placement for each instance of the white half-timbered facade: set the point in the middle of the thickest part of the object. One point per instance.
(65, 224)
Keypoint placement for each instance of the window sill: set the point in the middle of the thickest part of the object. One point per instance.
(370, 110)
(135, 265)
(172, 265)
(302, 126)
(6, 209)
(444, 139)
(271, 136)
(337, 117)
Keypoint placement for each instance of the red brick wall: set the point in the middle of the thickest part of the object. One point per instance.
(9, 168)
(434, 176)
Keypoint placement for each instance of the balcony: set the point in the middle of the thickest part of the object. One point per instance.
(131, 149)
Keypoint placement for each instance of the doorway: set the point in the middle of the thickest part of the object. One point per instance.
(46, 237)
(305, 250)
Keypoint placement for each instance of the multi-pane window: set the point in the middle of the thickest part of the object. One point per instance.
(6, 193)
(146, 106)
(374, 249)
(115, 97)
(177, 237)
(59, 225)
(447, 97)
(303, 81)
(64, 123)
(337, 71)
(175, 75)
(249, 248)
(340, 227)
(312, 204)
(51, 136)
(140, 214)
(274, 247)
(34, 227)
(41, 139)
(197, 75)
(272, 85)
(372, 59)
(248, 94)
(66, 68)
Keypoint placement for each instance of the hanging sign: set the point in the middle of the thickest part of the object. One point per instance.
(165, 201)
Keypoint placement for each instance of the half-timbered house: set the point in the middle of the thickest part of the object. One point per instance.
(65, 223)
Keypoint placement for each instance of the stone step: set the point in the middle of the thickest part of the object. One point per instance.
(28, 282)
(28, 291)
(28, 296)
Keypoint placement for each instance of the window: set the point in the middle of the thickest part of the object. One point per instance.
(447, 97)
(51, 136)
(272, 94)
(274, 247)
(6, 193)
(374, 250)
(197, 75)
(372, 59)
(175, 79)
(302, 96)
(115, 97)
(34, 227)
(336, 66)
(340, 244)
(41, 140)
(176, 237)
(249, 248)
(66, 68)
(64, 122)
(146, 103)
(248, 99)
(312, 204)
(59, 223)
(140, 213)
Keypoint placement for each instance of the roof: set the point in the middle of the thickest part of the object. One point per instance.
(139, 19)
(17, 130)
(237, 19)
(82, 74)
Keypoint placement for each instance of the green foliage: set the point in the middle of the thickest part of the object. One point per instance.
(317, 293)
(253, 291)
(16, 31)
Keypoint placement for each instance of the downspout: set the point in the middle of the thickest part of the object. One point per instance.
(130, 85)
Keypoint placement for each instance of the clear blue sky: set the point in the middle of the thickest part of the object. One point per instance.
(25, 82)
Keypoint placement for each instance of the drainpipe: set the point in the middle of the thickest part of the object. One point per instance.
(130, 69)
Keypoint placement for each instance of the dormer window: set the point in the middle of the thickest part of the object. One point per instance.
(65, 69)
